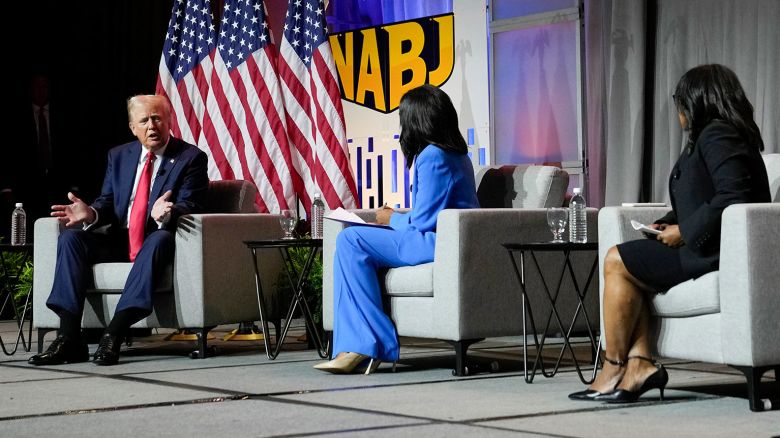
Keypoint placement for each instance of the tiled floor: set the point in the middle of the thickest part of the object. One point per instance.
(157, 390)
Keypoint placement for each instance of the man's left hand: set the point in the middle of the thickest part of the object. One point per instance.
(161, 210)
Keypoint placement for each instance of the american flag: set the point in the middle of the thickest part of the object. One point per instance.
(246, 105)
(315, 118)
(185, 69)
(226, 96)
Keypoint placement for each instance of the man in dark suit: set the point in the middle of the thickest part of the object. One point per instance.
(33, 158)
(149, 183)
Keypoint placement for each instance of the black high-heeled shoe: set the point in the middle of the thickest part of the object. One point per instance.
(658, 380)
(590, 394)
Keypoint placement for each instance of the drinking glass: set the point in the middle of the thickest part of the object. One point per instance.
(557, 218)
(288, 221)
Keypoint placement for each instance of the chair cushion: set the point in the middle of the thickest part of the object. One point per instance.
(410, 281)
(700, 296)
(111, 278)
(772, 162)
(231, 196)
(521, 186)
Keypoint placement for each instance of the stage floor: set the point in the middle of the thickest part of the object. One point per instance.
(157, 390)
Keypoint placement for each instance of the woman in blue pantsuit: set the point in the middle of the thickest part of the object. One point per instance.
(363, 335)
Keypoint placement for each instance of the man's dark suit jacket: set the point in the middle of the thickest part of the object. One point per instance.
(720, 170)
(183, 170)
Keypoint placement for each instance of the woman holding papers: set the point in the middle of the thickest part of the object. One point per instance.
(363, 335)
(720, 166)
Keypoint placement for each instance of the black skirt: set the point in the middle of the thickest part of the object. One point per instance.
(653, 263)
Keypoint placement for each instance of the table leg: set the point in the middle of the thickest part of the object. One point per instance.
(270, 352)
(520, 273)
(9, 288)
(567, 266)
(581, 306)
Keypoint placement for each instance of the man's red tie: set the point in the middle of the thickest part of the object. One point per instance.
(137, 223)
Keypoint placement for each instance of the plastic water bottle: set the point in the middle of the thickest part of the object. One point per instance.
(317, 216)
(18, 225)
(578, 222)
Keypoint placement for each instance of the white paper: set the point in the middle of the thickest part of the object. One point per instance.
(348, 217)
(342, 215)
(644, 228)
(643, 204)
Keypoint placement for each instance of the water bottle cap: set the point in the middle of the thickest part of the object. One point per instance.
(576, 190)
(19, 205)
(317, 196)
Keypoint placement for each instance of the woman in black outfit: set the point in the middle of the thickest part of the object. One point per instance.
(720, 166)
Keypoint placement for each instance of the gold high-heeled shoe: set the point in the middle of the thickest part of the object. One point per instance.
(343, 363)
(370, 367)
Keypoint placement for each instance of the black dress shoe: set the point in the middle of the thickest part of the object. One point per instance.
(586, 395)
(658, 380)
(107, 352)
(62, 350)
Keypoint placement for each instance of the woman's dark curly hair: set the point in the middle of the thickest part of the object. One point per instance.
(709, 92)
(428, 117)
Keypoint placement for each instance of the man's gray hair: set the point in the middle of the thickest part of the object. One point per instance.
(133, 101)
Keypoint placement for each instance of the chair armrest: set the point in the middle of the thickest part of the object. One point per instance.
(615, 224)
(615, 227)
(46, 232)
(331, 230)
(749, 302)
(214, 280)
(473, 278)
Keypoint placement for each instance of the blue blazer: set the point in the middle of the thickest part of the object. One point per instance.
(441, 180)
(183, 170)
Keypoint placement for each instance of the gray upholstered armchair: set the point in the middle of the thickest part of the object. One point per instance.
(727, 316)
(469, 292)
(212, 279)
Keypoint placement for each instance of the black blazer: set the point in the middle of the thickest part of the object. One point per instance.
(183, 171)
(721, 169)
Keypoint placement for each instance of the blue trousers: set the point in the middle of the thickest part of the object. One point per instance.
(78, 250)
(360, 324)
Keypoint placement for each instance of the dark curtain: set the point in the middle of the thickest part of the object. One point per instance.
(96, 54)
